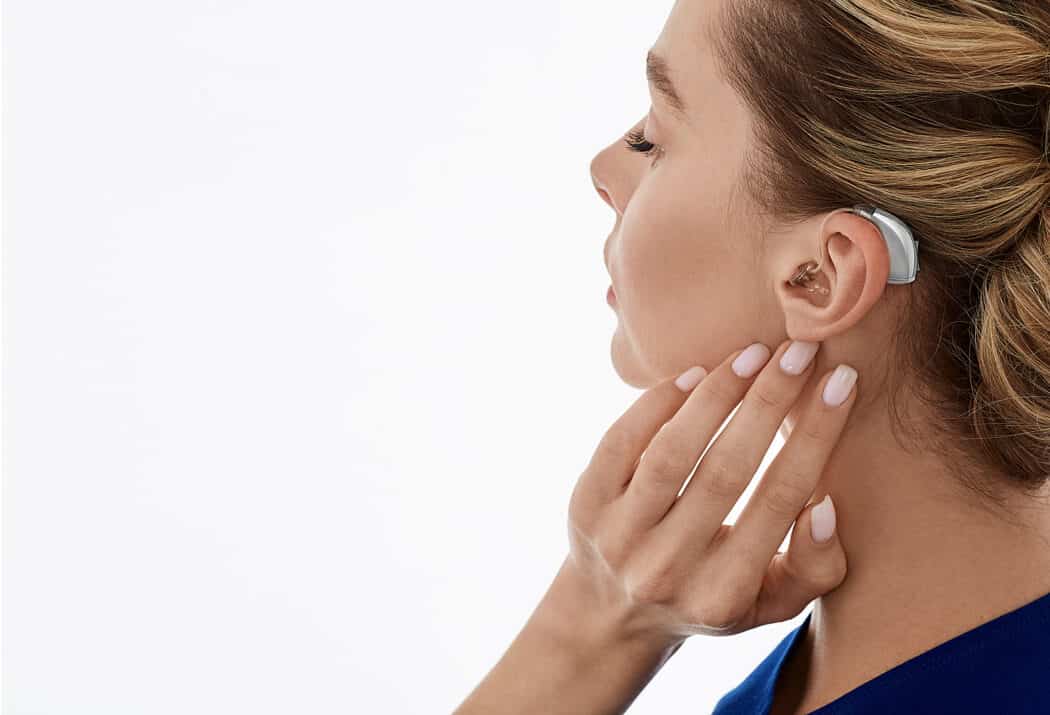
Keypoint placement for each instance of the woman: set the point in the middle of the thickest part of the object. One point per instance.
(933, 591)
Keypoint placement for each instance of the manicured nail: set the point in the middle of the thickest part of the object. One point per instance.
(839, 385)
(798, 356)
(822, 520)
(690, 378)
(751, 360)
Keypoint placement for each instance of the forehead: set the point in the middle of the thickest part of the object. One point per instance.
(684, 42)
(686, 32)
(717, 133)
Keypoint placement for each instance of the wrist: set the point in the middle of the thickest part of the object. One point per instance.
(582, 623)
(573, 655)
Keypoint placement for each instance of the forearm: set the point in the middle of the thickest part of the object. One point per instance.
(566, 661)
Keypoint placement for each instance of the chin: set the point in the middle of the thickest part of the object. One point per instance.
(627, 365)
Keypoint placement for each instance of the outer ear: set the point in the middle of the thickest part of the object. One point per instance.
(854, 272)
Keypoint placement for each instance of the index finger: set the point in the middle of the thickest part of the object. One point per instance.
(792, 476)
(613, 463)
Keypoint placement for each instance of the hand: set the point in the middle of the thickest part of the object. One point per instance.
(648, 567)
(655, 565)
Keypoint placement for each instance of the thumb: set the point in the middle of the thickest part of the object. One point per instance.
(807, 570)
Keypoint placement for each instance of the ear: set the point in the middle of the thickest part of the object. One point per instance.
(854, 272)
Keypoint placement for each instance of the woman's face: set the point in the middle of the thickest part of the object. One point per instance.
(690, 280)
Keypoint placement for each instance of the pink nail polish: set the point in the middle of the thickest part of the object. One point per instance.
(839, 384)
(751, 360)
(690, 378)
(822, 520)
(797, 357)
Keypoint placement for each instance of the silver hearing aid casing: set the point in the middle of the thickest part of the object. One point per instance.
(903, 248)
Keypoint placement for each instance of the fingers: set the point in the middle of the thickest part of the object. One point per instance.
(675, 449)
(807, 571)
(734, 458)
(792, 476)
(613, 462)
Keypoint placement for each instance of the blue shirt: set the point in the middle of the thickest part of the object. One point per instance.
(1001, 666)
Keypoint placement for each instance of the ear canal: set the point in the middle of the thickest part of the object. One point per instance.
(805, 275)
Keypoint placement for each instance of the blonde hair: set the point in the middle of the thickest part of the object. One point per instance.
(937, 112)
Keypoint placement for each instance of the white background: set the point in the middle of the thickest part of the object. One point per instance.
(305, 346)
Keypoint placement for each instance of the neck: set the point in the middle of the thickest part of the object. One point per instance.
(926, 559)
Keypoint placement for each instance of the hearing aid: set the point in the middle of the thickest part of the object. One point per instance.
(903, 248)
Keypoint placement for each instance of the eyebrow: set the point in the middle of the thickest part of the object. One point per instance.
(658, 73)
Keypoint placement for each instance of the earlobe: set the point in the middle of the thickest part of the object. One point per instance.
(820, 302)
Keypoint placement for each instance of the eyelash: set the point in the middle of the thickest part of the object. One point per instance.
(636, 141)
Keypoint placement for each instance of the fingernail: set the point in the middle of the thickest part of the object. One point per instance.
(839, 385)
(748, 362)
(798, 356)
(690, 378)
(822, 520)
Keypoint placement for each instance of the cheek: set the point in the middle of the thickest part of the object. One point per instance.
(686, 291)
(671, 258)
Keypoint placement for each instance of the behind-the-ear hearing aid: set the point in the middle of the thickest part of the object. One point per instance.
(902, 246)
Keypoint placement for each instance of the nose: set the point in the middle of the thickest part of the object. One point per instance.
(604, 194)
(596, 167)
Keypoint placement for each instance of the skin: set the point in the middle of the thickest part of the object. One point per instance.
(696, 277)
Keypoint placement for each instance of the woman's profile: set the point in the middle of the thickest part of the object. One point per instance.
(755, 263)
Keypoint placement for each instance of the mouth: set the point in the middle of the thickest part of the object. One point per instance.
(610, 296)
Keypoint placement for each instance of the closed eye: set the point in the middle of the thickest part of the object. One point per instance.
(636, 141)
